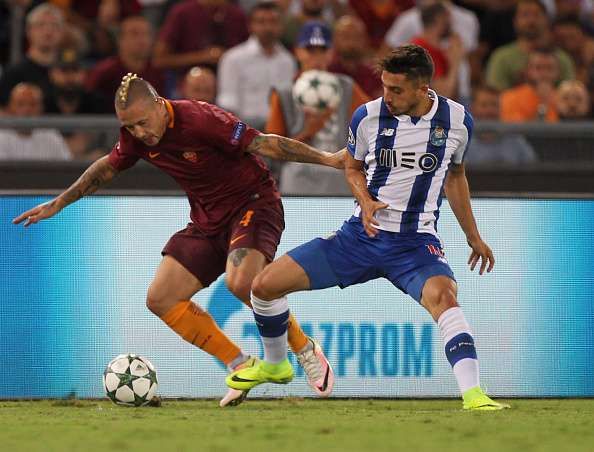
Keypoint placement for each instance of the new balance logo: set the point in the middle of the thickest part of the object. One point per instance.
(387, 132)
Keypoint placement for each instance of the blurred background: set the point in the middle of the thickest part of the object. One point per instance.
(525, 68)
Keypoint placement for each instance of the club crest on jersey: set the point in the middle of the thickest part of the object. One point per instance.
(190, 156)
(438, 136)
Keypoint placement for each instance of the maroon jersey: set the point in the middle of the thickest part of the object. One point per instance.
(204, 150)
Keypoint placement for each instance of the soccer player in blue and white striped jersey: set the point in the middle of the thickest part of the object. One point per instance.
(403, 150)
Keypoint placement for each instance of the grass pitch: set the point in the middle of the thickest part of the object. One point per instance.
(296, 425)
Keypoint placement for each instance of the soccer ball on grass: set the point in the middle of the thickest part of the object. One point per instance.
(130, 380)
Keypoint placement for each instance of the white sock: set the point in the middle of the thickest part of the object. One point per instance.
(241, 358)
(272, 319)
(459, 348)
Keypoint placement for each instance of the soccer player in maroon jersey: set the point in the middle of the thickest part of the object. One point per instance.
(236, 212)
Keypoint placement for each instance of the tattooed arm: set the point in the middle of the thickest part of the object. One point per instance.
(96, 175)
(281, 148)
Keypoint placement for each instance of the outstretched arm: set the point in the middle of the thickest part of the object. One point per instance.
(353, 172)
(96, 175)
(281, 148)
(458, 193)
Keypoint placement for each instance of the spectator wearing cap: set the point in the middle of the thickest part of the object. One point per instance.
(489, 148)
(45, 29)
(248, 71)
(69, 97)
(197, 32)
(350, 51)
(68, 94)
(507, 64)
(326, 130)
(135, 47)
(309, 10)
(26, 100)
(200, 83)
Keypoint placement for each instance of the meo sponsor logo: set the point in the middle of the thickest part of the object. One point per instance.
(392, 158)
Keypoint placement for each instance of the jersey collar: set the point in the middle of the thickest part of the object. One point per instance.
(169, 108)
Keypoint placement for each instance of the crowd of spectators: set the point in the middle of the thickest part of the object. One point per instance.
(510, 61)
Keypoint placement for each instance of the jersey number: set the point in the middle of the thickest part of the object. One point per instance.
(247, 218)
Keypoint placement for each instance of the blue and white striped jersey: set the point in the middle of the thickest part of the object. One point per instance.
(407, 159)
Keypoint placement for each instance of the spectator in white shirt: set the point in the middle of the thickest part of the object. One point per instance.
(248, 71)
(464, 23)
(26, 100)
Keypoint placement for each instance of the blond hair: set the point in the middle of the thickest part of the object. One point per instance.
(132, 88)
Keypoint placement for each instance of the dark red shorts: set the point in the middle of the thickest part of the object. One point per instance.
(258, 225)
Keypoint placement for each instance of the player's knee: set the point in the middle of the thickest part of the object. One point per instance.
(263, 287)
(447, 298)
(156, 302)
(439, 295)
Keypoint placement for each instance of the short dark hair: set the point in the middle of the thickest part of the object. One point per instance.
(538, 3)
(411, 60)
(544, 50)
(432, 12)
(264, 6)
(131, 89)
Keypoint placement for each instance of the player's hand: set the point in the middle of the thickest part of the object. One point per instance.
(36, 214)
(480, 250)
(314, 121)
(368, 216)
(336, 160)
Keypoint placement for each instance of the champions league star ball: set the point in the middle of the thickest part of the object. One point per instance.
(130, 380)
(317, 89)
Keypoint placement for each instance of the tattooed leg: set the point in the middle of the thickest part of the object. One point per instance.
(243, 264)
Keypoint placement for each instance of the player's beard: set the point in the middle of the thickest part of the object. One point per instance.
(151, 140)
(402, 111)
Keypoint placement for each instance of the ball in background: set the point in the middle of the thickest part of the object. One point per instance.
(317, 89)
